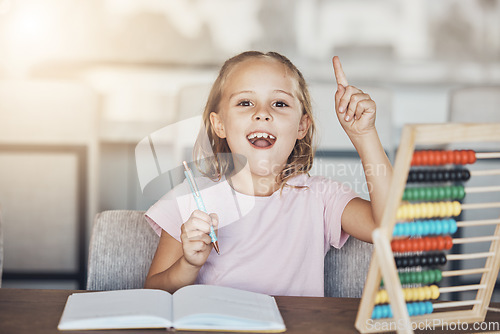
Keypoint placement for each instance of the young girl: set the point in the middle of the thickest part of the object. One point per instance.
(275, 223)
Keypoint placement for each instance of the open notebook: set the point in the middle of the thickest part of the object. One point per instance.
(195, 307)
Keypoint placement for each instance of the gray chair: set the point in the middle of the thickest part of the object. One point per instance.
(123, 245)
(121, 249)
(346, 269)
(1, 252)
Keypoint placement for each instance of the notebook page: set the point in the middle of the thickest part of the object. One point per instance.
(139, 308)
(206, 306)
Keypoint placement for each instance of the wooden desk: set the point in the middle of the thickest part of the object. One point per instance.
(38, 312)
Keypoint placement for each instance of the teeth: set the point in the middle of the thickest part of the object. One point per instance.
(260, 135)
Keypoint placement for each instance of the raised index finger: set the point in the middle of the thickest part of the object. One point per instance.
(339, 72)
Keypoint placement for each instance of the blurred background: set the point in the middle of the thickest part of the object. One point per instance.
(82, 82)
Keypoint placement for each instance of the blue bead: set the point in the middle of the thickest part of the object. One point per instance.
(432, 227)
(425, 228)
(419, 228)
(395, 231)
(453, 226)
(410, 308)
(445, 226)
(413, 229)
(375, 313)
(422, 308)
(430, 307)
(406, 229)
(438, 227)
(390, 315)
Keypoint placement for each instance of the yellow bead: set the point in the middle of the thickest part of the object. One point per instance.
(442, 209)
(410, 211)
(428, 293)
(434, 292)
(399, 213)
(377, 298)
(411, 294)
(431, 210)
(384, 297)
(449, 209)
(421, 293)
(457, 208)
(422, 210)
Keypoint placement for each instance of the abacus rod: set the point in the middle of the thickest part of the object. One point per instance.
(455, 304)
(464, 272)
(481, 205)
(452, 257)
(485, 172)
(470, 190)
(462, 288)
(474, 239)
(478, 222)
(488, 155)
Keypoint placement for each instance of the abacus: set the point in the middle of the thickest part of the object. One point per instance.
(415, 234)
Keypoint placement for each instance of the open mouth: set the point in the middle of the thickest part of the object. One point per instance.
(261, 139)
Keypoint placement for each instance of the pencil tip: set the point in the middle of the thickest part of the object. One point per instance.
(216, 246)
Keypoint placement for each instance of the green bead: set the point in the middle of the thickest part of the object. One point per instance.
(413, 277)
(418, 277)
(432, 276)
(444, 193)
(461, 192)
(454, 192)
(425, 277)
(439, 275)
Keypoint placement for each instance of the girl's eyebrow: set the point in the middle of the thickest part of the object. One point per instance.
(252, 92)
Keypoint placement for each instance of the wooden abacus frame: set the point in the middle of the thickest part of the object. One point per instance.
(383, 258)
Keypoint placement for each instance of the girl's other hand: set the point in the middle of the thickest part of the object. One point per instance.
(196, 243)
(355, 109)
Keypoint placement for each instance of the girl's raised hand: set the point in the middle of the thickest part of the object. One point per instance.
(196, 243)
(355, 109)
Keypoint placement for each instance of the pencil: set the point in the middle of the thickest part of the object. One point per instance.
(199, 202)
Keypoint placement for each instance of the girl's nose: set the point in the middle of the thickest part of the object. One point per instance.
(262, 114)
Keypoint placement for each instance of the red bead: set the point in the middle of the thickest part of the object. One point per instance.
(403, 246)
(449, 157)
(457, 157)
(419, 245)
(434, 243)
(440, 243)
(427, 244)
(395, 246)
(472, 156)
(448, 242)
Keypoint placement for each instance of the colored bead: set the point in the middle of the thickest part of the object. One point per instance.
(434, 292)
(438, 276)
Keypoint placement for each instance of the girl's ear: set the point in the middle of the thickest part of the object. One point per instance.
(217, 125)
(305, 123)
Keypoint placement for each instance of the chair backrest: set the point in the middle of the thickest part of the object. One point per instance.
(121, 250)
(123, 245)
(346, 269)
(1, 252)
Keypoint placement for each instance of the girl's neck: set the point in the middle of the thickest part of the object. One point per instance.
(247, 183)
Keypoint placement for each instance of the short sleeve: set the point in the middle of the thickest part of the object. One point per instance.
(165, 215)
(336, 197)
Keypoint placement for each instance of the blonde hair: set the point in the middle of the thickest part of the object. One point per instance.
(213, 159)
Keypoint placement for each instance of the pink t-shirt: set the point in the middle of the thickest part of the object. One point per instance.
(273, 245)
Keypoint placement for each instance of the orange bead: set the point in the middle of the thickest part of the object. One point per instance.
(395, 245)
(449, 157)
(419, 244)
(431, 160)
(424, 159)
(472, 156)
(448, 242)
(439, 243)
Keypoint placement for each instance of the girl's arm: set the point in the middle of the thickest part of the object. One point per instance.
(356, 113)
(177, 264)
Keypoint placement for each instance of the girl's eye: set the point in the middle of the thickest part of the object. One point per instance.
(280, 104)
(245, 103)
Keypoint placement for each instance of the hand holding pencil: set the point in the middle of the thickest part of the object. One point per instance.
(197, 233)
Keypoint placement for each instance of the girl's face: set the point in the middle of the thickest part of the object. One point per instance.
(260, 114)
